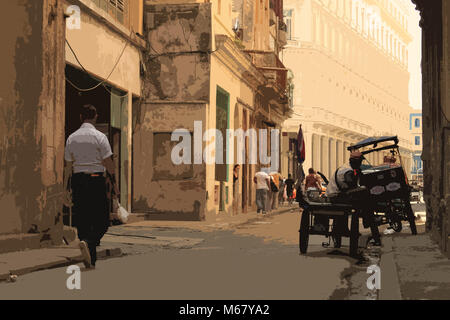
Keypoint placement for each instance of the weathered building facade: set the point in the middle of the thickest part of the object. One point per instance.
(435, 25)
(204, 69)
(31, 124)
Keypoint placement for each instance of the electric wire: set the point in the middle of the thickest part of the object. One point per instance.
(102, 83)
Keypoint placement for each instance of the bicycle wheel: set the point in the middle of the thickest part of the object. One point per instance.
(411, 218)
(304, 232)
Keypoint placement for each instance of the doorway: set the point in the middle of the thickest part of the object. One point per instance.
(110, 109)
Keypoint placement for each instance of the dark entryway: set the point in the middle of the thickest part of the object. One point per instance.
(109, 107)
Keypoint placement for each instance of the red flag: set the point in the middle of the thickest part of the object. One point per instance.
(300, 146)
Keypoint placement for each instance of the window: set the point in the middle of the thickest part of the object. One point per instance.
(417, 141)
(417, 123)
(288, 20)
(116, 8)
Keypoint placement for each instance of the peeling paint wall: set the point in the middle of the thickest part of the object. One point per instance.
(176, 94)
(178, 64)
(31, 125)
(180, 193)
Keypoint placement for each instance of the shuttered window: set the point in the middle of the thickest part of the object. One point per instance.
(222, 124)
(116, 8)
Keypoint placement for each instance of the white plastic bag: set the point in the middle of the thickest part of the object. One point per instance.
(114, 215)
(123, 214)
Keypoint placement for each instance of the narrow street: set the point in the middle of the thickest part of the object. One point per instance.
(257, 260)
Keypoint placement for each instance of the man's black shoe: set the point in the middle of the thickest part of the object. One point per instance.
(373, 242)
(376, 243)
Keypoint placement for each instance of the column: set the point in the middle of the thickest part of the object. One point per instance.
(346, 152)
(309, 150)
(316, 159)
(325, 155)
(340, 153)
(333, 156)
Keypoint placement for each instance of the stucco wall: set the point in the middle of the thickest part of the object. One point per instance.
(175, 194)
(31, 121)
(180, 41)
(177, 93)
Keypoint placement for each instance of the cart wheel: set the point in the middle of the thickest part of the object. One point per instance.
(354, 235)
(396, 225)
(304, 232)
(411, 218)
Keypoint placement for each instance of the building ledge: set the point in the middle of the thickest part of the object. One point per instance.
(103, 17)
(228, 52)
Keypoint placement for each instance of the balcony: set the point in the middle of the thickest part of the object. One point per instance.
(282, 34)
(274, 71)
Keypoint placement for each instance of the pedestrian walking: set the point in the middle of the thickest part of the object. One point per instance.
(281, 192)
(289, 187)
(89, 158)
(262, 181)
(272, 196)
(236, 188)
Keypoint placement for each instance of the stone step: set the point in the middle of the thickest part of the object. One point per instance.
(29, 241)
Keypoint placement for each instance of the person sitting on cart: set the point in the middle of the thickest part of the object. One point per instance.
(390, 161)
(344, 188)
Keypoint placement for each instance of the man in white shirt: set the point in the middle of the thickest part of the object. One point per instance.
(88, 158)
(262, 180)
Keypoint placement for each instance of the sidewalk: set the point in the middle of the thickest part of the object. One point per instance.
(23, 262)
(412, 267)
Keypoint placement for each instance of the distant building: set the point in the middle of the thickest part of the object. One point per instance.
(349, 60)
(415, 125)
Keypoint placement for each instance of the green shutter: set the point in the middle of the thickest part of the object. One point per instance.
(222, 124)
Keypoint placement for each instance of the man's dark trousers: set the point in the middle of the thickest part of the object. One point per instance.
(91, 210)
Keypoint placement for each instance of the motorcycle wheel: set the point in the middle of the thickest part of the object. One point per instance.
(304, 232)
